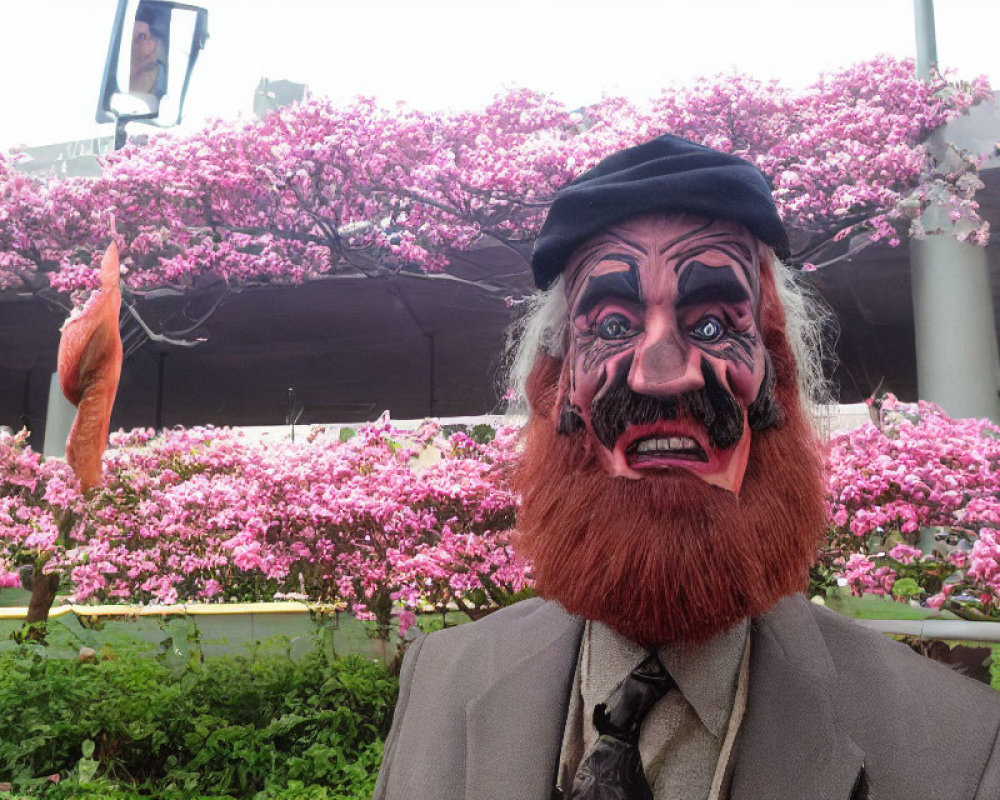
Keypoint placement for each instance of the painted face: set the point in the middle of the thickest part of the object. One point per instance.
(665, 353)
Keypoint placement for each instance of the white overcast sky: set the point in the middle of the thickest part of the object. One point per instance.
(439, 54)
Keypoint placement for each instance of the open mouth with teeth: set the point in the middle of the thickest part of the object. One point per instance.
(653, 448)
(667, 444)
(678, 444)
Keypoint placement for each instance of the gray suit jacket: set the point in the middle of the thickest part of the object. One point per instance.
(834, 712)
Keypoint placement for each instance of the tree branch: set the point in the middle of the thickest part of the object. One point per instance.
(489, 288)
(163, 338)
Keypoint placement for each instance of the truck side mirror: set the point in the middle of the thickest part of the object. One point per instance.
(154, 45)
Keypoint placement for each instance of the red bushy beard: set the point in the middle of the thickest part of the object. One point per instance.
(670, 557)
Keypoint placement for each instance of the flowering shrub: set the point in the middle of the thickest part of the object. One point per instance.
(41, 510)
(315, 188)
(202, 513)
(917, 469)
(394, 520)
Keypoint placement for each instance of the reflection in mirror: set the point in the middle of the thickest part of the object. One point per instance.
(153, 48)
(148, 62)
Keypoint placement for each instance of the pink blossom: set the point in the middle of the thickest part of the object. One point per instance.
(406, 620)
(904, 553)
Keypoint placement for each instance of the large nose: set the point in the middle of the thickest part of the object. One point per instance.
(665, 363)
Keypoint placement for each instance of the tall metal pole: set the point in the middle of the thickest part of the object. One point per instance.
(923, 20)
(957, 364)
(161, 358)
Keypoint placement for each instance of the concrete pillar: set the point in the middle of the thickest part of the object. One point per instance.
(58, 420)
(955, 335)
(957, 361)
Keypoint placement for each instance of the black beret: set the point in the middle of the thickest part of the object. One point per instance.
(665, 175)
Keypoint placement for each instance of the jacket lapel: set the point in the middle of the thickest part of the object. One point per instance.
(515, 726)
(790, 744)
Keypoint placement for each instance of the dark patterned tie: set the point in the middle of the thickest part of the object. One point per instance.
(612, 770)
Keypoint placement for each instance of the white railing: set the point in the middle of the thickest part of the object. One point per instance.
(936, 628)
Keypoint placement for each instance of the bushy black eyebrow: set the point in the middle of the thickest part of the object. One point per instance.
(622, 285)
(737, 251)
(701, 283)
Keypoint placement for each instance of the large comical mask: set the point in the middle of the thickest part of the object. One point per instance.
(666, 365)
(671, 484)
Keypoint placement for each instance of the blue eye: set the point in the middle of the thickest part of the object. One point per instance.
(615, 326)
(708, 329)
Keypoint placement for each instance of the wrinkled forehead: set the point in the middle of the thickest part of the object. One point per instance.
(666, 241)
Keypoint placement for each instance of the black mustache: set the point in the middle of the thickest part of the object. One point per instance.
(712, 406)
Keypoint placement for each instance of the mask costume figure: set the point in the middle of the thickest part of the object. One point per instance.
(666, 383)
(672, 502)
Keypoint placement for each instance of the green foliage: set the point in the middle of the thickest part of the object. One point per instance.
(906, 588)
(480, 433)
(822, 578)
(135, 723)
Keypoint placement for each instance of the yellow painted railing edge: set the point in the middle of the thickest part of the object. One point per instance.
(20, 612)
(286, 607)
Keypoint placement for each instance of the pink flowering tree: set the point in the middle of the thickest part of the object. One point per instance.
(316, 189)
(917, 469)
(22, 216)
